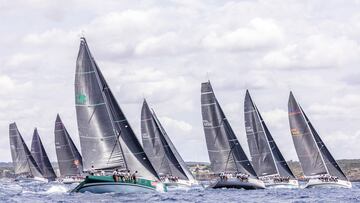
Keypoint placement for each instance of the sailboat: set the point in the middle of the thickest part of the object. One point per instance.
(267, 159)
(24, 163)
(318, 165)
(41, 158)
(68, 156)
(106, 137)
(162, 152)
(228, 160)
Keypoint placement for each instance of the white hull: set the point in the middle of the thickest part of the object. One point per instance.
(274, 184)
(115, 187)
(333, 184)
(250, 184)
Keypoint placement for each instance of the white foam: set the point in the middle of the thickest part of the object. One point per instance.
(56, 189)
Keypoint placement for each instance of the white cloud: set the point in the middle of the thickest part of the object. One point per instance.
(177, 124)
(277, 118)
(315, 51)
(260, 33)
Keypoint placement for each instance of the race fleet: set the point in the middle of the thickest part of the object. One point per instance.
(112, 159)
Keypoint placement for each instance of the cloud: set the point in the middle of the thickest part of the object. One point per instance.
(177, 124)
(260, 33)
(315, 51)
(277, 118)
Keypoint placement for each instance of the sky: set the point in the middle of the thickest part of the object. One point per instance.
(163, 50)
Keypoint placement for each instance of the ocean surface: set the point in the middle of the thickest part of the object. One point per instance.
(29, 192)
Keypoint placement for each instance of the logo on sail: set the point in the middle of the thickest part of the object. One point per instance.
(206, 123)
(80, 98)
(295, 132)
(76, 162)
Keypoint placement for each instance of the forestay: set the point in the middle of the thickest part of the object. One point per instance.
(314, 156)
(225, 151)
(159, 148)
(266, 156)
(107, 140)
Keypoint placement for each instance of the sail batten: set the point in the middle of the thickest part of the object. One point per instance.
(68, 156)
(224, 149)
(314, 157)
(106, 137)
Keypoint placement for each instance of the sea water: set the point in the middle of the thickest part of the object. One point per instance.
(29, 192)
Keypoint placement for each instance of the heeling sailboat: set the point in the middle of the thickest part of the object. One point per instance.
(316, 161)
(228, 159)
(68, 156)
(162, 152)
(267, 159)
(41, 158)
(24, 163)
(106, 138)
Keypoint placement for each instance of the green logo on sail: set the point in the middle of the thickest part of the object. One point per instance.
(80, 99)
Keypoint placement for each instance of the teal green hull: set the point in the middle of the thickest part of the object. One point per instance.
(106, 184)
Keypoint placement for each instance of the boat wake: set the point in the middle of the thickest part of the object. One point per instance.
(56, 189)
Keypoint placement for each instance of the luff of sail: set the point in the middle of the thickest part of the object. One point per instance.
(107, 140)
(313, 155)
(266, 156)
(41, 158)
(68, 156)
(159, 148)
(23, 161)
(225, 151)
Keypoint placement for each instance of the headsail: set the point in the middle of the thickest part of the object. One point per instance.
(158, 146)
(266, 156)
(23, 161)
(41, 158)
(69, 158)
(314, 157)
(225, 151)
(107, 140)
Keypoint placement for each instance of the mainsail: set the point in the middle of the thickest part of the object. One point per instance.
(225, 152)
(159, 148)
(106, 138)
(266, 156)
(23, 161)
(41, 158)
(313, 155)
(69, 158)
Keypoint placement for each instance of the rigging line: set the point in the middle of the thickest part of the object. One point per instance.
(113, 149)
(231, 151)
(95, 107)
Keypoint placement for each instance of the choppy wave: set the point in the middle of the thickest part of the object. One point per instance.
(11, 191)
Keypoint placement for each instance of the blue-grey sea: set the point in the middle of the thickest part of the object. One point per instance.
(29, 192)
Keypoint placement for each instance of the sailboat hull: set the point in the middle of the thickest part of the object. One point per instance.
(289, 184)
(315, 183)
(251, 184)
(106, 184)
